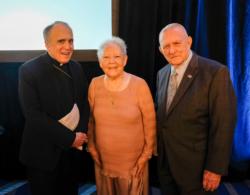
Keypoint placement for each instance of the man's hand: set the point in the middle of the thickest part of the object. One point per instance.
(80, 139)
(211, 180)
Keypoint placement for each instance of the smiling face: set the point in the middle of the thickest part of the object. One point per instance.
(59, 43)
(175, 45)
(113, 61)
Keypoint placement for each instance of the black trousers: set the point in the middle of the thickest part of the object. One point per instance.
(60, 181)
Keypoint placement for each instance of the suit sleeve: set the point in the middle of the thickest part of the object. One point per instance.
(222, 114)
(39, 124)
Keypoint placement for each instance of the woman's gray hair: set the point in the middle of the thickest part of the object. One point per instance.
(114, 40)
(48, 28)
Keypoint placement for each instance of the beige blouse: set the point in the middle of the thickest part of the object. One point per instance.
(122, 127)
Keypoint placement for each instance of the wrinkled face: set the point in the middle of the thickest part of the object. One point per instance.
(59, 43)
(175, 45)
(113, 61)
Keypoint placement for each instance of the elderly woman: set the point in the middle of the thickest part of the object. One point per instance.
(122, 126)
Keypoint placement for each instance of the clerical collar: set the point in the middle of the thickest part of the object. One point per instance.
(55, 62)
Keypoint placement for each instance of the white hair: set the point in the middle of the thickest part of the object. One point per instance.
(114, 40)
(172, 25)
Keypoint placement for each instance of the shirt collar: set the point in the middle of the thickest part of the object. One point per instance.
(182, 67)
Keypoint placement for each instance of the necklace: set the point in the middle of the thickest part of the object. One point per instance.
(115, 87)
(118, 84)
(111, 99)
(62, 71)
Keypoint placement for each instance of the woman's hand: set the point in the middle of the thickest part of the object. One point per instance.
(139, 168)
(97, 161)
(95, 157)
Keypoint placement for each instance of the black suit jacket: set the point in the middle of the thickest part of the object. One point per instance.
(196, 133)
(41, 97)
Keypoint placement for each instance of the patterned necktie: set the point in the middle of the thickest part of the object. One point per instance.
(172, 87)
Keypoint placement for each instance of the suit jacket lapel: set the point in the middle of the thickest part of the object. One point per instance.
(186, 82)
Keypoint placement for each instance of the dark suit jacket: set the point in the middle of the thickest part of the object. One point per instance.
(41, 96)
(196, 133)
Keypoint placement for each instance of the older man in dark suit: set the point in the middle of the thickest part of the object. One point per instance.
(53, 94)
(196, 113)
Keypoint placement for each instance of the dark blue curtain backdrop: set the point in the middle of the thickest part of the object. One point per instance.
(238, 60)
(200, 42)
(220, 30)
(237, 35)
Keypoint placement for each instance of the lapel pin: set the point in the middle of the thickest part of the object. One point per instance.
(189, 76)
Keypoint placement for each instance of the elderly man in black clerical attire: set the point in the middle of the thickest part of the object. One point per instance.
(53, 94)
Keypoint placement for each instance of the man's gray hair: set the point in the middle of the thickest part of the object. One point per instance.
(172, 25)
(48, 28)
(114, 40)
